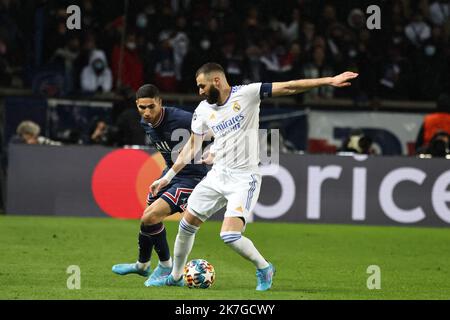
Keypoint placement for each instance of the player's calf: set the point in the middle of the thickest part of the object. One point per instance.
(147, 234)
(183, 246)
(245, 247)
(153, 233)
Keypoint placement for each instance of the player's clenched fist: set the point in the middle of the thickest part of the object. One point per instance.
(158, 185)
(162, 182)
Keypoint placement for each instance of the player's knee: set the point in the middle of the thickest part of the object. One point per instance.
(151, 219)
(191, 219)
(150, 216)
(230, 237)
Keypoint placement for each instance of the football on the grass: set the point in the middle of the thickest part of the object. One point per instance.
(199, 273)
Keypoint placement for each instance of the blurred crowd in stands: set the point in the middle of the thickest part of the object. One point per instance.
(165, 41)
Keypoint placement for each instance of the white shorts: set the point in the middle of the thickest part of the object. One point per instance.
(237, 190)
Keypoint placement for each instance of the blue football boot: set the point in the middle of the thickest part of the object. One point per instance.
(264, 278)
(127, 268)
(164, 281)
(160, 272)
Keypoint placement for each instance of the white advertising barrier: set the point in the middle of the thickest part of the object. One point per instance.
(356, 190)
(391, 132)
(99, 181)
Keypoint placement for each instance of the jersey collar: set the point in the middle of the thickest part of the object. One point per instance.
(221, 105)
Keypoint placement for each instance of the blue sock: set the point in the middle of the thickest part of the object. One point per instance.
(161, 245)
(146, 241)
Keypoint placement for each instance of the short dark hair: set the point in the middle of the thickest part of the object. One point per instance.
(147, 91)
(208, 68)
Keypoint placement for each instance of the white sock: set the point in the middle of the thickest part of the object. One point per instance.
(183, 246)
(142, 265)
(166, 264)
(244, 247)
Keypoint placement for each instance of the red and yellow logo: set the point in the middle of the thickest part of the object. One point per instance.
(121, 180)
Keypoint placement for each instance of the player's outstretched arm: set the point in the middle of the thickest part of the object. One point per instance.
(190, 149)
(288, 88)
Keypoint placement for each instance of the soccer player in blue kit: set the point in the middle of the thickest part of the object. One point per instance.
(159, 122)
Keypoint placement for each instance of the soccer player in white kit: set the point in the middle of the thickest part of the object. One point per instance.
(231, 115)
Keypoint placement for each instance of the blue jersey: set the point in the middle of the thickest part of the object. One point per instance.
(160, 136)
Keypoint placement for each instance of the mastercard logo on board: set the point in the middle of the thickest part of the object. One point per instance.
(121, 181)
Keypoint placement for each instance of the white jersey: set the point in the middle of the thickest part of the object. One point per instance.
(235, 126)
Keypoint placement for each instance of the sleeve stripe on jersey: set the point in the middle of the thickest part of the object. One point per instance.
(265, 91)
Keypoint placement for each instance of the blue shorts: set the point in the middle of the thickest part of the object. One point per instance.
(176, 193)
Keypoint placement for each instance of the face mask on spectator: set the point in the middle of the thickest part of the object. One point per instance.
(98, 66)
(430, 50)
(131, 45)
(205, 44)
(352, 53)
(141, 21)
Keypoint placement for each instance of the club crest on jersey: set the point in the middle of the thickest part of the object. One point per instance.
(236, 107)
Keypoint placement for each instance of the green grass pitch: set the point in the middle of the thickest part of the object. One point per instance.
(313, 261)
